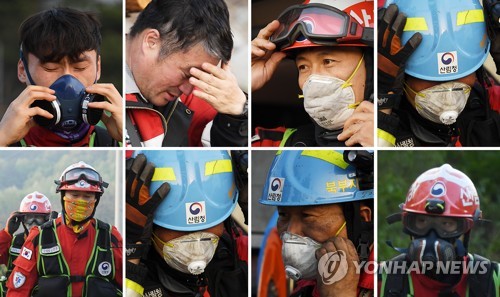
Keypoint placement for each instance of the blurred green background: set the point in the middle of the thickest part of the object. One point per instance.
(13, 13)
(398, 169)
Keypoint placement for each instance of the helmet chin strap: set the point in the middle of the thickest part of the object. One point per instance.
(358, 231)
(26, 230)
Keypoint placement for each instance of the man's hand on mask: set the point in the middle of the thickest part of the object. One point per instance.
(219, 87)
(392, 53)
(18, 119)
(141, 205)
(358, 129)
(113, 105)
(264, 58)
(13, 223)
(348, 285)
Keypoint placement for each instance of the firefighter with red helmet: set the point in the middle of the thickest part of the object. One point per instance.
(34, 210)
(75, 254)
(441, 207)
(332, 45)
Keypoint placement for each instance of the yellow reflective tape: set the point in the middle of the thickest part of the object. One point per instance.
(332, 157)
(470, 16)
(219, 166)
(131, 285)
(386, 136)
(165, 173)
(416, 24)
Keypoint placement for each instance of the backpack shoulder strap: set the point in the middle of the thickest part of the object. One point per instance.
(102, 138)
(395, 284)
(484, 278)
(133, 136)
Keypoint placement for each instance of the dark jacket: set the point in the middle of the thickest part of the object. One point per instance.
(477, 125)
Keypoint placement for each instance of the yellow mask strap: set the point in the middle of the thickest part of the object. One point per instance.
(413, 91)
(348, 81)
(158, 238)
(343, 226)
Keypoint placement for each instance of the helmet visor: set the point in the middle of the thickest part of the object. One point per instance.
(445, 227)
(76, 174)
(319, 23)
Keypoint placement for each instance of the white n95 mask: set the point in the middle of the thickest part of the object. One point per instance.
(299, 256)
(189, 253)
(328, 100)
(441, 103)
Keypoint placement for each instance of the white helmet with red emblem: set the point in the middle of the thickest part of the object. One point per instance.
(35, 203)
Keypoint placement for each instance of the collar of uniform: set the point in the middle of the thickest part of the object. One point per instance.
(130, 85)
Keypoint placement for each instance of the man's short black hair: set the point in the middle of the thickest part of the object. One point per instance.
(185, 23)
(55, 33)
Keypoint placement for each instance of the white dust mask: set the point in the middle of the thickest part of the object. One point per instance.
(328, 100)
(441, 103)
(299, 255)
(189, 253)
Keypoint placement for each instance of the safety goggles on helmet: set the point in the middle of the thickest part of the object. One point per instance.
(319, 23)
(87, 174)
(37, 219)
(445, 227)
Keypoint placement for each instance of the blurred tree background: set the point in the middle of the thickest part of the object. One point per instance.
(13, 13)
(398, 169)
(25, 171)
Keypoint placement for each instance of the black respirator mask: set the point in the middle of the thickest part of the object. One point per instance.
(70, 109)
(433, 249)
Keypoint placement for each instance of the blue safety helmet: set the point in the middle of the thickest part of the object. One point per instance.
(300, 178)
(202, 193)
(455, 42)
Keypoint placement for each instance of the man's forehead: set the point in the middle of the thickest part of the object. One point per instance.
(317, 208)
(82, 57)
(327, 51)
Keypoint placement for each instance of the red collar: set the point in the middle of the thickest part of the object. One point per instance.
(43, 137)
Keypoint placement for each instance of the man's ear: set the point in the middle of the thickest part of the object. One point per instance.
(98, 74)
(21, 72)
(151, 42)
(366, 213)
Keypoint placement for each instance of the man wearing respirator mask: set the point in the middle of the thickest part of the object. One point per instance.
(76, 254)
(441, 207)
(333, 51)
(60, 63)
(35, 210)
(433, 88)
(325, 211)
(181, 239)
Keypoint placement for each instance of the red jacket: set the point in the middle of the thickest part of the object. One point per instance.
(5, 241)
(148, 122)
(76, 248)
(43, 137)
(425, 286)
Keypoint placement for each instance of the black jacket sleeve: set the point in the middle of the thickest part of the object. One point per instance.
(229, 131)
